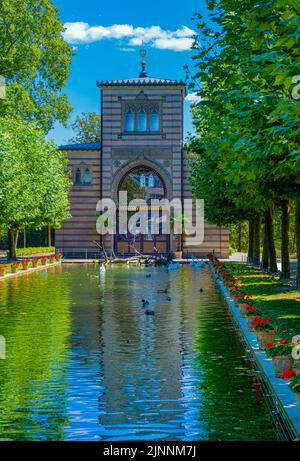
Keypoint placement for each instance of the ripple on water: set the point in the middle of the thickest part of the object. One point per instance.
(85, 363)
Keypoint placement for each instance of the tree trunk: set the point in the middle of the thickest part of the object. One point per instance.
(49, 235)
(24, 237)
(297, 233)
(265, 254)
(12, 244)
(250, 242)
(256, 241)
(16, 239)
(239, 237)
(285, 258)
(271, 243)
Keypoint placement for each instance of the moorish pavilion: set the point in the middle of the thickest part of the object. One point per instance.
(142, 150)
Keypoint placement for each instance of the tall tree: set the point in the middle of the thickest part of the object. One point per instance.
(34, 183)
(35, 61)
(87, 128)
(246, 118)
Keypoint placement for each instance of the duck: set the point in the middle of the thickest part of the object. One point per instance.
(148, 276)
(201, 290)
(145, 302)
(169, 298)
(149, 312)
(163, 291)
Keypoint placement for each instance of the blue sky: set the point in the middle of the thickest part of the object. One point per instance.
(107, 36)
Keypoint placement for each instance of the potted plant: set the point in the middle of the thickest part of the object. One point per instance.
(52, 259)
(35, 261)
(14, 266)
(265, 331)
(25, 264)
(251, 312)
(295, 386)
(44, 260)
(281, 354)
(288, 374)
(243, 308)
(3, 268)
(58, 256)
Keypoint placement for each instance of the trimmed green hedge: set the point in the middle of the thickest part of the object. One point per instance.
(34, 251)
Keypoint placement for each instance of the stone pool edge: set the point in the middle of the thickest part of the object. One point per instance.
(283, 395)
(30, 270)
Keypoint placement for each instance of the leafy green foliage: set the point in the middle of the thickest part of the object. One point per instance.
(35, 251)
(34, 181)
(35, 61)
(87, 128)
(246, 154)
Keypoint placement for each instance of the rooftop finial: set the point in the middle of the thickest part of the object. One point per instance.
(143, 53)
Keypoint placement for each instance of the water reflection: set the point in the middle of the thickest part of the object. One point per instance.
(35, 320)
(85, 363)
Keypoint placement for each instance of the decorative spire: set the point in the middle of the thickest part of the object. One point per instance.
(143, 53)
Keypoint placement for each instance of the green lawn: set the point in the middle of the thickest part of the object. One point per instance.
(278, 299)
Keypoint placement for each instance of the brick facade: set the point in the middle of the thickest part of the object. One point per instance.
(121, 151)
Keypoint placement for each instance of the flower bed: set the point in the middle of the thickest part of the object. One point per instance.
(280, 350)
(26, 264)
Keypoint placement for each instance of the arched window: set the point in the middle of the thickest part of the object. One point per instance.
(143, 180)
(87, 179)
(151, 181)
(78, 176)
(138, 182)
(142, 121)
(154, 121)
(129, 121)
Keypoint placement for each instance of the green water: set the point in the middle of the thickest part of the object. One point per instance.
(84, 362)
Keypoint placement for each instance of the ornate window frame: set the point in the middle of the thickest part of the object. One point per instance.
(82, 167)
(141, 104)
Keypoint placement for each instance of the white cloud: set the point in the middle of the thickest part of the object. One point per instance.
(175, 44)
(193, 97)
(179, 40)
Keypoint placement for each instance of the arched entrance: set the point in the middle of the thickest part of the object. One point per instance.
(145, 184)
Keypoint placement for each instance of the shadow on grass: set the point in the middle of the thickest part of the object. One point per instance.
(279, 300)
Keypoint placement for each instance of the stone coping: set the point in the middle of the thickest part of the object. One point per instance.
(90, 261)
(284, 396)
(30, 270)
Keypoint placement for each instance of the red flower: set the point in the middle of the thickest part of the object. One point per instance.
(283, 341)
(288, 374)
(269, 345)
(256, 321)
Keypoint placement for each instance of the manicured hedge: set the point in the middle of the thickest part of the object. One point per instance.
(34, 251)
